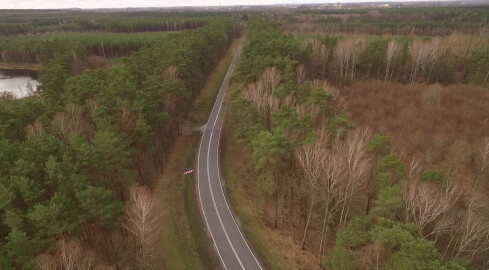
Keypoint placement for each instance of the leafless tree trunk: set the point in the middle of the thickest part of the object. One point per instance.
(419, 58)
(72, 120)
(474, 232)
(46, 261)
(301, 73)
(260, 93)
(171, 73)
(311, 159)
(357, 49)
(356, 164)
(34, 129)
(483, 162)
(346, 54)
(334, 176)
(270, 79)
(425, 55)
(313, 111)
(68, 256)
(72, 256)
(141, 220)
(341, 56)
(127, 120)
(436, 49)
(426, 205)
(393, 51)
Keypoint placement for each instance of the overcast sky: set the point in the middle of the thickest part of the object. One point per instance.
(48, 4)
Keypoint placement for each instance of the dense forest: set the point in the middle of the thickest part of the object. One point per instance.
(355, 156)
(447, 45)
(34, 41)
(429, 21)
(35, 22)
(353, 138)
(78, 159)
(458, 58)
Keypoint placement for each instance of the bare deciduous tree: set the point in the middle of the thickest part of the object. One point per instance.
(436, 48)
(127, 120)
(346, 54)
(473, 232)
(424, 57)
(483, 162)
(311, 159)
(425, 205)
(392, 53)
(419, 58)
(34, 129)
(72, 120)
(413, 170)
(301, 73)
(334, 177)
(46, 261)
(313, 111)
(141, 220)
(73, 256)
(171, 73)
(270, 79)
(68, 256)
(356, 162)
(341, 56)
(260, 93)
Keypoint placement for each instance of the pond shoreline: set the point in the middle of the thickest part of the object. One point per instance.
(14, 72)
(20, 82)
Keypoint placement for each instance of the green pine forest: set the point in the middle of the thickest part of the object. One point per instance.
(72, 155)
(353, 138)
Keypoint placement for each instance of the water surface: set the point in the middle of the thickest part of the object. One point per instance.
(19, 85)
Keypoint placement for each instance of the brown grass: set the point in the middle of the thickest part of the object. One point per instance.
(442, 125)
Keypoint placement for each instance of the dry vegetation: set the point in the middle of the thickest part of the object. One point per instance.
(437, 128)
(355, 157)
(443, 126)
(436, 21)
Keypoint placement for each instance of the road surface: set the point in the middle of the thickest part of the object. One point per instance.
(229, 242)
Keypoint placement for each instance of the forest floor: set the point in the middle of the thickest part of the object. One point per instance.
(182, 243)
(278, 248)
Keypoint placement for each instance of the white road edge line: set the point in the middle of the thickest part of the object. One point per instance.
(202, 206)
(229, 209)
(208, 177)
(217, 210)
(219, 174)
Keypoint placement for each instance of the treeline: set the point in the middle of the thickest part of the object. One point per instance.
(322, 180)
(105, 37)
(50, 21)
(119, 25)
(436, 21)
(40, 49)
(457, 58)
(133, 25)
(71, 157)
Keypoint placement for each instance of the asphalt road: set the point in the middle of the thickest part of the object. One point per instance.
(229, 242)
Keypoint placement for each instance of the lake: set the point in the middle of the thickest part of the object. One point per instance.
(21, 85)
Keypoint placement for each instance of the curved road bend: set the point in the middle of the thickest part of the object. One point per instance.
(229, 242)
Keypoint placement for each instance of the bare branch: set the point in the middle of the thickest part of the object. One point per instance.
(141, 220)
